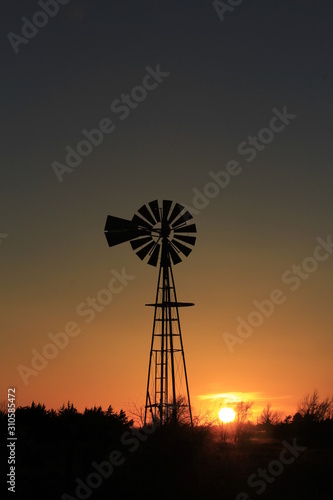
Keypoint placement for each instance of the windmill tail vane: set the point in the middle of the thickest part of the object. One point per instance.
(162, 235)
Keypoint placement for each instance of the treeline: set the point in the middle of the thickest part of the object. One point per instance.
(63, 454)
(53, 447)
(312, 421)
(309, 410)
(68, 422)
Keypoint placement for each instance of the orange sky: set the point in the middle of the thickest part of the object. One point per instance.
(106, 361)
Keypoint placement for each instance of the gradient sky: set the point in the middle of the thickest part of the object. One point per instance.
(225, 79)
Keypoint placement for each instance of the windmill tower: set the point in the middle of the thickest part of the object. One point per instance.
(161, 235)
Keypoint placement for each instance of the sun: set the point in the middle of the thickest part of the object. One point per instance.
(227, 415)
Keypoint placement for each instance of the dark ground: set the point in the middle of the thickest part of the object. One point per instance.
(55, 452)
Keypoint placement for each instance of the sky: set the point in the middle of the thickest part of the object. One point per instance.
(234, 122)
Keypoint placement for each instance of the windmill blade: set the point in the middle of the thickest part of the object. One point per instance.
(119, 230)
(145, 250)
(116, 223)
(177, 209)
(166, 208)
(154, 256)
(155, 209)
(141, 222)
(174, 255)
(182, 219)
(191, 228)
(146, 214)
(182, 248)
(140, 242)
(187, 239)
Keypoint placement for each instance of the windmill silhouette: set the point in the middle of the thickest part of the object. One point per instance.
(161, 234)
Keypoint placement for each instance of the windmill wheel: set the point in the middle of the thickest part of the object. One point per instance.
(166, 225)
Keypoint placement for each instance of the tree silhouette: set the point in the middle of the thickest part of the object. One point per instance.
(67, 411)
(243, 410)
(269, 417)
(312, 410)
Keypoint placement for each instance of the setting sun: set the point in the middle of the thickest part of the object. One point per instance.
(227, 415)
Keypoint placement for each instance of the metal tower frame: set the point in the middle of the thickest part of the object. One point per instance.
(167, 365)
